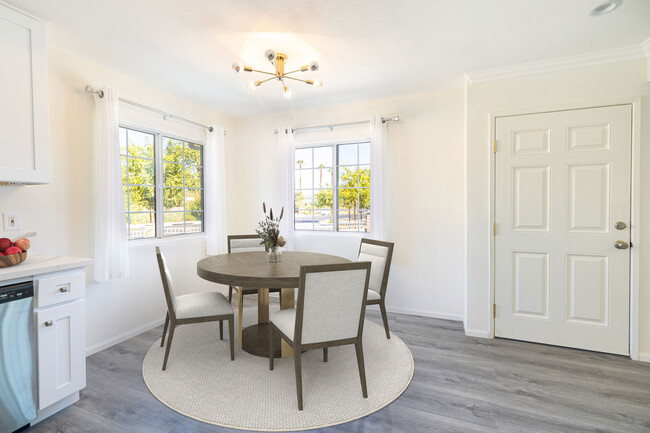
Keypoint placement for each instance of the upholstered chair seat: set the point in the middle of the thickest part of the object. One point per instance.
(202, 305)
(373, 296)
(285, 320)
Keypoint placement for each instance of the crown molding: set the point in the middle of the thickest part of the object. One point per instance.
(646, 47)
(562, 63)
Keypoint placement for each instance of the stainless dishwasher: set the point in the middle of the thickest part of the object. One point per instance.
(17, 357)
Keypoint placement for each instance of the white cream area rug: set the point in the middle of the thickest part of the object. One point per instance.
(202, 383)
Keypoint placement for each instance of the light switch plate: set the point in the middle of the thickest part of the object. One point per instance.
(12, 221)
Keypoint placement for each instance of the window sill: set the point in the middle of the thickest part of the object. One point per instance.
(170, 239)
(332, 233)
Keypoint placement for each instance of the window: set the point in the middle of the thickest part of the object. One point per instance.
(333, 187)
(163, 184)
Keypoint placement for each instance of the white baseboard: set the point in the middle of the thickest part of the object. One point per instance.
(644, 357)
(90, 350)
(480, 333)
(423, 313)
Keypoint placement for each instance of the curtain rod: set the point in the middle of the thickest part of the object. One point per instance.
(100, 93)
(341, 125)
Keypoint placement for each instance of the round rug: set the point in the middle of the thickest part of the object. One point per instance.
(202, 383)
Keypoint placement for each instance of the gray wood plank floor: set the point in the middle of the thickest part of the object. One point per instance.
(461, 384)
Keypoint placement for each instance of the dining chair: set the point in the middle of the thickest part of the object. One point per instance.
(380, 253)
(242, 244)
(193, 308)
(330, 312)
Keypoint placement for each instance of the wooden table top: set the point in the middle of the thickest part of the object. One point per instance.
(252, 269)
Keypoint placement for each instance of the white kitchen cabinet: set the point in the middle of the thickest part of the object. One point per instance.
(61, 351)
(24, 124)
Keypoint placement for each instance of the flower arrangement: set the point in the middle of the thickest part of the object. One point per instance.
(269, 230)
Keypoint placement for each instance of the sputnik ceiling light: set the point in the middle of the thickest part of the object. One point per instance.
(605, 8)
(278, 60)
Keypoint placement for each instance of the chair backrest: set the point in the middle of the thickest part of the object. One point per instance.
(166, 277)
(244, 243)
(380, 253)
(331, 302)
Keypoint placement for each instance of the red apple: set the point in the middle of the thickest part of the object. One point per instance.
(22, 243)
(13, 250)
(4, 244)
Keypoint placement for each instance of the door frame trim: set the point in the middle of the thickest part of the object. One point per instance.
(635, 211)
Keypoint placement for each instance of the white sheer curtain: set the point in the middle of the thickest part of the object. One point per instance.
(287, 164)
(111, 243)
(215, 192)
(377, 192)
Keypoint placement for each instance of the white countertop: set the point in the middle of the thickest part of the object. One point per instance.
(41, 264)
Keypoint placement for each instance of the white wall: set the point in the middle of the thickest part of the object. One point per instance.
(584, 86)
(425, 192)
(61, 212)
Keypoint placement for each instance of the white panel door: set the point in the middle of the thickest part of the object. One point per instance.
(61, 351)
(562, 185)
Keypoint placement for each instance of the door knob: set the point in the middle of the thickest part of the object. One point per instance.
(620, 225)
(621, 245)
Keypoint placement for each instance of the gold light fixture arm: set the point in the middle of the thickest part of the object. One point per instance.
(268, 79)
(302, 69)
(298, 79)
(261, 72)
(315, 83)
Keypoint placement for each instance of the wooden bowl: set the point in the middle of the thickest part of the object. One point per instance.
(13, 259)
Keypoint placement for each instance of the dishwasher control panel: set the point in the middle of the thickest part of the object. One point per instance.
(16, 292)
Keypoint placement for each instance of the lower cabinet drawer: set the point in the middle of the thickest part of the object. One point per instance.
(61, 345)
(54, 289)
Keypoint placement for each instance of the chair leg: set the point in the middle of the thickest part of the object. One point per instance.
(362, 368)
(162, 340)
(297, 362)
(324, 354)
(230, 294)
(220, 329)
(271, 348)
(382, 307)
(231, 333)
(172, 326)
(240, 315)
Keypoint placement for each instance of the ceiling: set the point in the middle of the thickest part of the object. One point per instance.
(367, 49)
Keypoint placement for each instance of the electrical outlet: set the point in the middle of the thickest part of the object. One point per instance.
(12, 221)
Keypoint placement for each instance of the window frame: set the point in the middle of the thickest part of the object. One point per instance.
(335, 179)
(160, 182)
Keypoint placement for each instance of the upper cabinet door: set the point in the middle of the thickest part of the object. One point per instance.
(24, 123)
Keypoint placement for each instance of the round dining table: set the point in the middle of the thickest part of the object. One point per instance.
(253, 270)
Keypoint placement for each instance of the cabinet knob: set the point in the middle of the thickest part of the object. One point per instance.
(49, 323)
(64, 289)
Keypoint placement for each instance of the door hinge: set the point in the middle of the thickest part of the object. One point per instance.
(494, 229)
(495, 146)
(494, 310)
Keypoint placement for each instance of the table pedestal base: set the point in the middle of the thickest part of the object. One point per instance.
(255, 340)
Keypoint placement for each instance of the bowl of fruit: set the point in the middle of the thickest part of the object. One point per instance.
(12, 253)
